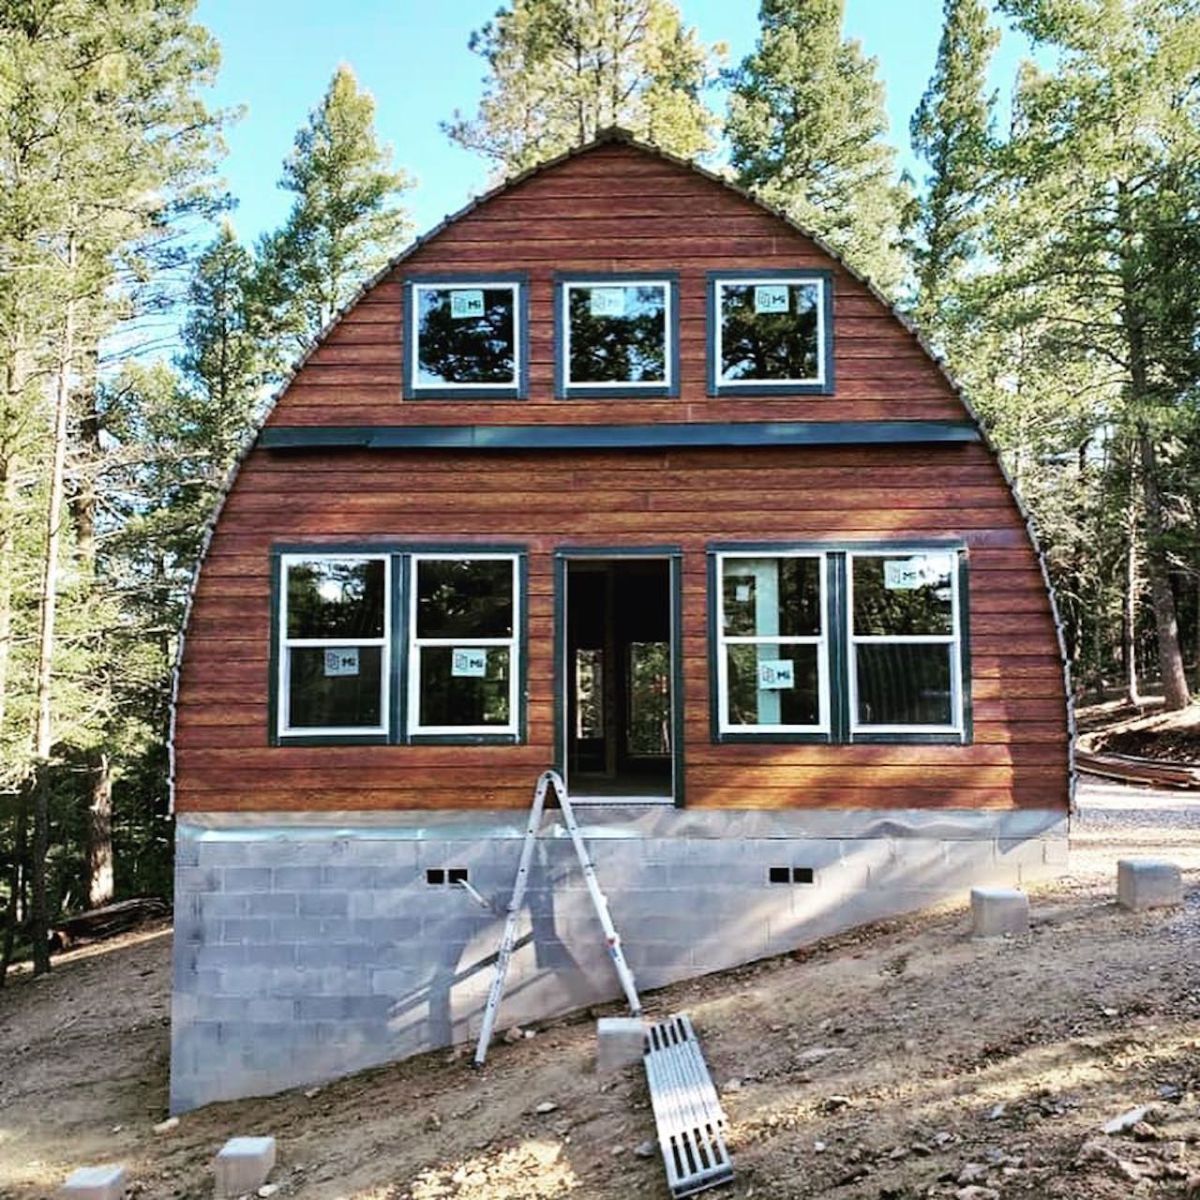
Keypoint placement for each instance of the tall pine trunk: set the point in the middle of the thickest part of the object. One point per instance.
(1129, 624)
(99, 861)
(1133, 322)
(44, 730)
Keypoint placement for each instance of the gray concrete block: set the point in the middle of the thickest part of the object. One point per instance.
(246, 879)
(243, 1164)
(620, 1042)
(246, 931)
(96, 1183)
(297, 878)
(996, 911)
(1148, 883)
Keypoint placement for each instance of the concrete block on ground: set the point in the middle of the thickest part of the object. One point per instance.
(620, 1042)
(96, 1183)
(996, 911)
(1148, 883)
(243, 1165)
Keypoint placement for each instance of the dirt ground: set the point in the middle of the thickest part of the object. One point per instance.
(896, 1062)
(1116, 727)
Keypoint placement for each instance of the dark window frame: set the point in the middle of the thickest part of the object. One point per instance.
(399, 730)
(518, 390)
(566, 390)
(823, 386)
(837, 616)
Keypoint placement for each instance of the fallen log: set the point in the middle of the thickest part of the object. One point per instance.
(1137, 770)
(99, 923)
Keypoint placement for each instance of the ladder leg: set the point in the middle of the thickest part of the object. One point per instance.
(492, 1008)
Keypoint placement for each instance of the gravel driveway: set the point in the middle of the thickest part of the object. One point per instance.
(1117, 820)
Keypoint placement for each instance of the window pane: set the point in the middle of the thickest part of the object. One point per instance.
(335, 598)
(618, 333)
(903, 595)
(464, 685)
(772, 597)
(464, 598)
(466, 335)
(334, 687)
(904, 684)
(589, 693)
(769, 331)
(772, 685)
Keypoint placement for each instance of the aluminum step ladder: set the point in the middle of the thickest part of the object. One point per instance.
(612, 939)
(691, 1122)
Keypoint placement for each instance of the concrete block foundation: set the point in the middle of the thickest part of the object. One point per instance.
(96, 1183)
(309, 946)
(1148, 883)
(620, 1042)
(998, 911)
(243, 1164)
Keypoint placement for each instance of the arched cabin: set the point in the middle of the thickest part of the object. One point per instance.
(618, 471)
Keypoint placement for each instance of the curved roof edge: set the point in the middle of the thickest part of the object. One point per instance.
(617, 135)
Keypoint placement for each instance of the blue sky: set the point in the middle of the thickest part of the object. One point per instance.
(278, 56)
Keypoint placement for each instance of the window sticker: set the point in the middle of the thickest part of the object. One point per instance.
(771, 298)
(775, 674)
(471, 664)
(907, 574)
(342, 660)
(607, 301)
(742, 593)
(466, 303)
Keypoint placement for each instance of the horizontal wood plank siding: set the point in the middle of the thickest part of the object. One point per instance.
(689, 498)
(616, 209)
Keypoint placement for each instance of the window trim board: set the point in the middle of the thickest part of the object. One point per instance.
(518, 390)
(825, 385)
(566, 390)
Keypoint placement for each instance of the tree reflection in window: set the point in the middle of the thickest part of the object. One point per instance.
(472, 349)
(779, 346)
(618, 333)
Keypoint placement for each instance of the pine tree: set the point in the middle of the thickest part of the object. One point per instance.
(1096, 227)
(346, 220)
(562, 70)
(951, 131)
(806, 126)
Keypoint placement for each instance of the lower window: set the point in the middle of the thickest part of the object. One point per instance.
(904, 642)
(463, 647)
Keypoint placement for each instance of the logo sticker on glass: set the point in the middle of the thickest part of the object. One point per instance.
(471, 664)
(908, 574)
(608, 302)
(771, 298)
(466, 303)
(775, 674)
(342, 661)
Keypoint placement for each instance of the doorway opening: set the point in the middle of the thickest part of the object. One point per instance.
(619, 679)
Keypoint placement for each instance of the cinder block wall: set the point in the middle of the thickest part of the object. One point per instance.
(316, 947)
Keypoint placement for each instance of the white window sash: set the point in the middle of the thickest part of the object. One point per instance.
(415, 334)
(286, 644)
(952, 640)
(668, 333)
(821, 641)
(817, 380)
(416, 644)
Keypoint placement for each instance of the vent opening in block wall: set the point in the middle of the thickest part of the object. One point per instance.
(435, 875)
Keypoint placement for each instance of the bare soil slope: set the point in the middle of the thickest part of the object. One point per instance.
(900, 1061)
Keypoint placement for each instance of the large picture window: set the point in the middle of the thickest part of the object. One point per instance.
(904, 623)
(465, 338)
(770, 333)
(616, 336)
(772, 653)
(462, 675)
(334, 618)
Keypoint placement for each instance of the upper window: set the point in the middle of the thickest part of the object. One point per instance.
(466, 338)
(616, 336)
(772, 654)
(333, 665)
(905, 673)
(462, 657)
(770, 332)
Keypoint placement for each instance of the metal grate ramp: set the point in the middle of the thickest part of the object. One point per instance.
(687, 1112)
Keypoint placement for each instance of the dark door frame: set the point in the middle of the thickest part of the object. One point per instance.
(673, 556)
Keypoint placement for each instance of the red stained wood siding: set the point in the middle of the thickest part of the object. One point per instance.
(619, 208)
